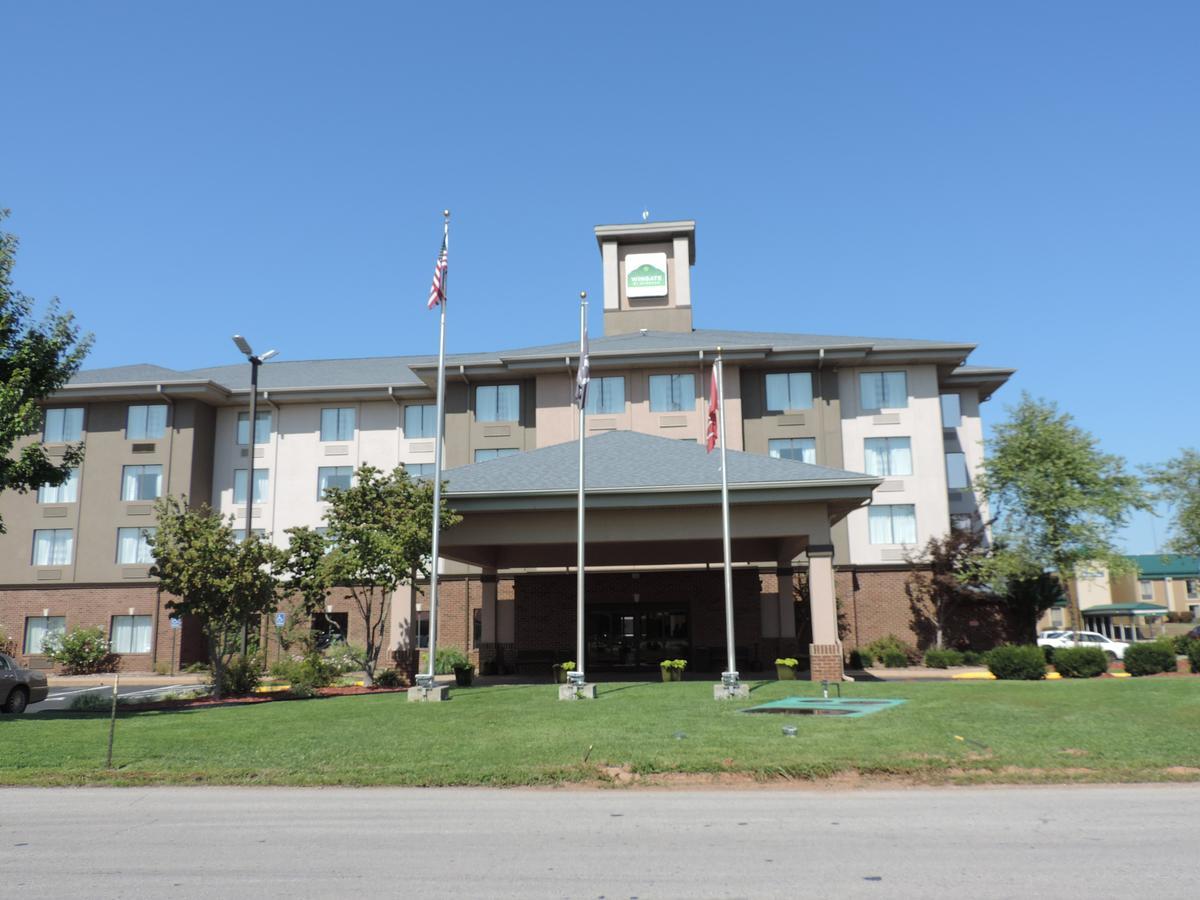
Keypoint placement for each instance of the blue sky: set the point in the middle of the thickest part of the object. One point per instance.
(1018, 175)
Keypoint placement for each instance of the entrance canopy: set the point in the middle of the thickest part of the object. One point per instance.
(650, 501)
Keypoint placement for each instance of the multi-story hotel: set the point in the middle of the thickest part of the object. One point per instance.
(851, 453)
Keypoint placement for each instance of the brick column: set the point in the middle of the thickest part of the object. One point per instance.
(825, 652)
(487, 638)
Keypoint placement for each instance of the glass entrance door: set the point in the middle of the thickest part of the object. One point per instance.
(624, 639)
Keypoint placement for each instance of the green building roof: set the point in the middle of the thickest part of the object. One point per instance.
(1167, 565)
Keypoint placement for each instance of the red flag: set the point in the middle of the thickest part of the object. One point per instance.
(714, 404)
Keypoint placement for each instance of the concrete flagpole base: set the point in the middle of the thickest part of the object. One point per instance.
(736, 691)
(577, 692)
(435, 694)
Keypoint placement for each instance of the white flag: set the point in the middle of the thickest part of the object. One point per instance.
(585, 373)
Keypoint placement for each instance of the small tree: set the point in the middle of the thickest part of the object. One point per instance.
(303, 581)
(1030, 596)
(1177, 483)
(220, 581)
(947, 574)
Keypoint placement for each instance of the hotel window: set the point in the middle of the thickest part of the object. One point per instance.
(800, 449)
(483, 455)
(883, 390)
(1193, 588)
(419, 470)
(956, 471)
(888, 456)
(789, 390)
(141, 482)
(498, 403)
(146, 422)
(476, 627)
(606, 395)
(262, 480)
(1146, 590)
(422, 624)
(420, 420)
(672, 393)
(130, 634)
(262, 428)
(133, 546)
(338, 477)
(63, 425)
(38, 628)
(895, 524)
(53, 546)
(951, 411)
(337, 424)
(239, 534)
(962, 522)
(67, 492)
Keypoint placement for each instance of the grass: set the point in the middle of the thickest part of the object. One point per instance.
(1108, 730)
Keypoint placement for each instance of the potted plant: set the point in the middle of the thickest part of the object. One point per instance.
(464, 674)
(785, 668)
(561, 669)
(672, 669)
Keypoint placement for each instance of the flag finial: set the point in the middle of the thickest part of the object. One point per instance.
(645, 214)
(446, 213)
(583, 295)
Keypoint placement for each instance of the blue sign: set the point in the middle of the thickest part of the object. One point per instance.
(176, 624)
(280, 619)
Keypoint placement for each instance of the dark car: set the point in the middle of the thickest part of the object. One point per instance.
(19, 687)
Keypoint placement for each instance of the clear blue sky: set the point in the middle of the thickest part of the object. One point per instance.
(1022, 175)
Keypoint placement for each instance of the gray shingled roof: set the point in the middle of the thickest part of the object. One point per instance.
(627, 460)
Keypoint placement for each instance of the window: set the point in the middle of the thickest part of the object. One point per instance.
(419, 470)
(337, 424)
(482, 455)
(883, 390)
(146, 422)
(333, 477)
(1193, 588)
(672, 393)
(1056, 617)
(63, 425)
(38, 628)
(888, 456)
(262, 480)
(67, 492)
(130, 634)
(420, 420)
(476, 626)
(53, 546)
(606, 395)
(239, 534)
(141, 482)
(423, 630)
(262, 428)
(800, 449)
(962, 522)
(1146, 589)
(956, 471)
(497, 403)
(895, 524)
(789, 390)
(133, 546)
(951, 411)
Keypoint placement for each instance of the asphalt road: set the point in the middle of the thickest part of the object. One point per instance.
(61, 698)
(1085, 842)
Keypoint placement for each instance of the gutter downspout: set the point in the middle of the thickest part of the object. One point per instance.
(399, 423)
(167, 485)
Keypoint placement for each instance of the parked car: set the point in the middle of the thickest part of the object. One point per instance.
(1049, 634)
(19, 687)
(1112, 649)
(1193, 635)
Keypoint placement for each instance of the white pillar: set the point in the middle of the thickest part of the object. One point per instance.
(825, 651)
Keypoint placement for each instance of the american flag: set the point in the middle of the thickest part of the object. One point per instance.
(437, 292)
(714, 404)
(584, 376)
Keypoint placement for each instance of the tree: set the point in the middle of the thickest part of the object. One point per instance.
(212, 576)
(1030, 596)
(1177, 483)
(36, 359)
(303, 580)
(945, 575)
(1059, 501)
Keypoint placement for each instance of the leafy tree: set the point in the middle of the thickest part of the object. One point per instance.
(1177, 483)
(212, 576)
(301, 570)
(36, 359)
(945, 575)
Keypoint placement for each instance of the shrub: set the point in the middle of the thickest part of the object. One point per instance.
(1009, 662)
(447, 658)
(197, 668)
(1193, 655)
(1150, 658)
(789, 661)
(162, 667)
(974, 658)
(343, 658)
(92, 701)
(241, 674)
(1080, 662)
(877, 649)
(894, 659)
(7, 645)
(1048, 653)
(390, 678)
(82, 651)
(679, 664)
(943, 659)
(305, 674)
(860, 659)
(1183, 644)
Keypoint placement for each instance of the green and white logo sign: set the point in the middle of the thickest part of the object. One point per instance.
(646, 275)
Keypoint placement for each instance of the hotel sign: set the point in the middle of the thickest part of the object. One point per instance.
(646, 275)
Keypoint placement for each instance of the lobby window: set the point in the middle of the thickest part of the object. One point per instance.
(1146, 589)
(333, 477)
(337, 424)
(888, 456)
(476, 627)
(800, 449)
(130, 634)
(67, 492)
(141, 482)
(484, 455)
(498, 403)
(1193, 588)
(63, 426)
(262, 481)
(951, 411)
(894, 524)
(606, 395)
(262, 428)
(420, 420)
(419, 470)
(883, 390)
(133, 546)
(422, 624)
(672, 393)
(53, 546)
(956, 471)
(789, 390)
(38, 628)
(146, 423)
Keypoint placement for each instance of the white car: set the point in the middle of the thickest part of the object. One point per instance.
(1112, 649)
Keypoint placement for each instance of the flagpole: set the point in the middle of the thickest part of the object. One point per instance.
(730, 676)
(578, 674)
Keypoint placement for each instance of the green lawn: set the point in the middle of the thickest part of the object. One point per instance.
(1102, 730)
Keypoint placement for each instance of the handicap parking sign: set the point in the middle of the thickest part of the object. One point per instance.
(176, 624)
(280, 619)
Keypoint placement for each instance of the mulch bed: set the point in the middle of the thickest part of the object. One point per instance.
(246, 699)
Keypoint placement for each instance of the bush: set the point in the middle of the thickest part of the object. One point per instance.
(1048, 653)
(1150, 658)
(877, 649)
(306, 674)
(241, 674)
(974, 658)
(83, 651)
(447, 658)
(893, 659)
(92, 701)
(943, 659)
(1080, 662)
(343, 658)
(1017, 663)
(7, 645)
(1183, 644)
(679, 664)
(1193, 655)
(162, 667)
(860, 659)
(390, 678)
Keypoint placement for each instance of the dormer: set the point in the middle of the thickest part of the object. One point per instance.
(647, 276)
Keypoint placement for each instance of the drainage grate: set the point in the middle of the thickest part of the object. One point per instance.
(819, 706)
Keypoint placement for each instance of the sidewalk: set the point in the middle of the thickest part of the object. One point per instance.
(132, 679)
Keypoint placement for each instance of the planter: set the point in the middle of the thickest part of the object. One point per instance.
(560, 674)
(785, 673)
(464, 675)
(671, 674)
